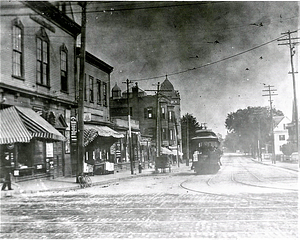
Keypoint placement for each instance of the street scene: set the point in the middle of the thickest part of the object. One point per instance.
(246, 199)
(149, 119)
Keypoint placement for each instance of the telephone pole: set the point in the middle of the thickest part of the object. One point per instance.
(291, 43)
(270, 94)
(129, 129)
(80, 142)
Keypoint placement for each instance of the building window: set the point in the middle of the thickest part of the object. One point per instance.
(163, 113)
(17, 58)
(171, 116)
(64, 68)
(105, 94)
(42, 46)
(281, 137)
(149, 112)
(171, 134)
(98, 91)
(91, 87)
(164, 134)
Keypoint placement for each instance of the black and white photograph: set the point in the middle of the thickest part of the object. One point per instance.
(149, 119)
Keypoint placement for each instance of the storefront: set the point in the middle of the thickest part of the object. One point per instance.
(30, 145)
(98, 141)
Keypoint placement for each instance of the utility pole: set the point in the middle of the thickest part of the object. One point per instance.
(177, 156)
(187, 143)
(292, 53)
(270, 94)
(158, 144)
(80, 147)
(129, 128)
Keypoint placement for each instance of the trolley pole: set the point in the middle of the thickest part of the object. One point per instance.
(187, 143)
(270, 94)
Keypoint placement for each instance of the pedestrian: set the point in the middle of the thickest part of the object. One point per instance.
(6, 167)
(7, 179)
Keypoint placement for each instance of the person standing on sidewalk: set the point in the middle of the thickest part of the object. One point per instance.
(7, 175)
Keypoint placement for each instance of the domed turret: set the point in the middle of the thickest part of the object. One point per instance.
(116, 92)
(167, 85)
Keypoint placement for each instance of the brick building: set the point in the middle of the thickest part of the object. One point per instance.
(38, 44)
(149, 110)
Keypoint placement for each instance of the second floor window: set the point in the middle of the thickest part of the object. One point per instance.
(105, 94)
(64, 68)
(98, 91)
(42, 70)
(281, 137)
(17, 57)
(163, 113)
(91, 87)
(148, 112)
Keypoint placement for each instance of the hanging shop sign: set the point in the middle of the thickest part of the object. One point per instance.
(73, 125)
(49, 150)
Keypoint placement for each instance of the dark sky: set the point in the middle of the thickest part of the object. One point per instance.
(228, 43)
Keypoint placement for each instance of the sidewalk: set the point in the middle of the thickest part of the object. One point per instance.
(69, 183)
(282, 164)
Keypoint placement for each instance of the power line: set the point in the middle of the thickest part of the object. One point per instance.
(208, 64)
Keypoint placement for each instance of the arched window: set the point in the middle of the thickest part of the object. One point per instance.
(42, 49)
(17, 43)
(64, 68)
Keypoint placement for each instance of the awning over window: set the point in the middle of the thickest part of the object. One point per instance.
(174, 151)
(12, 129)
(19, 118)
(93, 131)
(164, 150)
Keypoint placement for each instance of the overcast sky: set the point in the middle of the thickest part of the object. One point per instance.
(218, 55)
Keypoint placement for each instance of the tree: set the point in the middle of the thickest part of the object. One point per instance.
(250, 125)
(289, 148)
(188, 123)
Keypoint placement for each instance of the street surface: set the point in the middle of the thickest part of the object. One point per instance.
(245, 199)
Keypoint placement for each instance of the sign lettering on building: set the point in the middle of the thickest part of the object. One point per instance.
(73, 126)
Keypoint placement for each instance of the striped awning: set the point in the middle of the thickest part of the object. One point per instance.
(20, 124)
(93, 131)
(166, 151)
(38, 126)
(12, 129)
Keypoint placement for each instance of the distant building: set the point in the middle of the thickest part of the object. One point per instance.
(281, 133)
(143, 108)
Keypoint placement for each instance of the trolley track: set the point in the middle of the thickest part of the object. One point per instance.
(234, 180)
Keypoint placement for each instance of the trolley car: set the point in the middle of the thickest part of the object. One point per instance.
(206, 152)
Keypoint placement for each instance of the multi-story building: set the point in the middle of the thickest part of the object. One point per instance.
(158, 115)
(38, 44)
(99, 135)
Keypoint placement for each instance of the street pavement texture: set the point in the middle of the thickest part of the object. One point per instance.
(244, 200)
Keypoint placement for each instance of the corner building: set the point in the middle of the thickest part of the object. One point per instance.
(37, 89)
(149, 110)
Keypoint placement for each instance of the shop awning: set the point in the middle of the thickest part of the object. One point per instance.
(12, 129)
(93, 131)
(38, 126)
(20, 124)
(164, 150)
(174, 151)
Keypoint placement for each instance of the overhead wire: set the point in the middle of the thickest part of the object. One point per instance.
(202, 66)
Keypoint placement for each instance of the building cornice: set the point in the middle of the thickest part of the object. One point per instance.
(40, 95)
(54, 15)
(93, 60)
